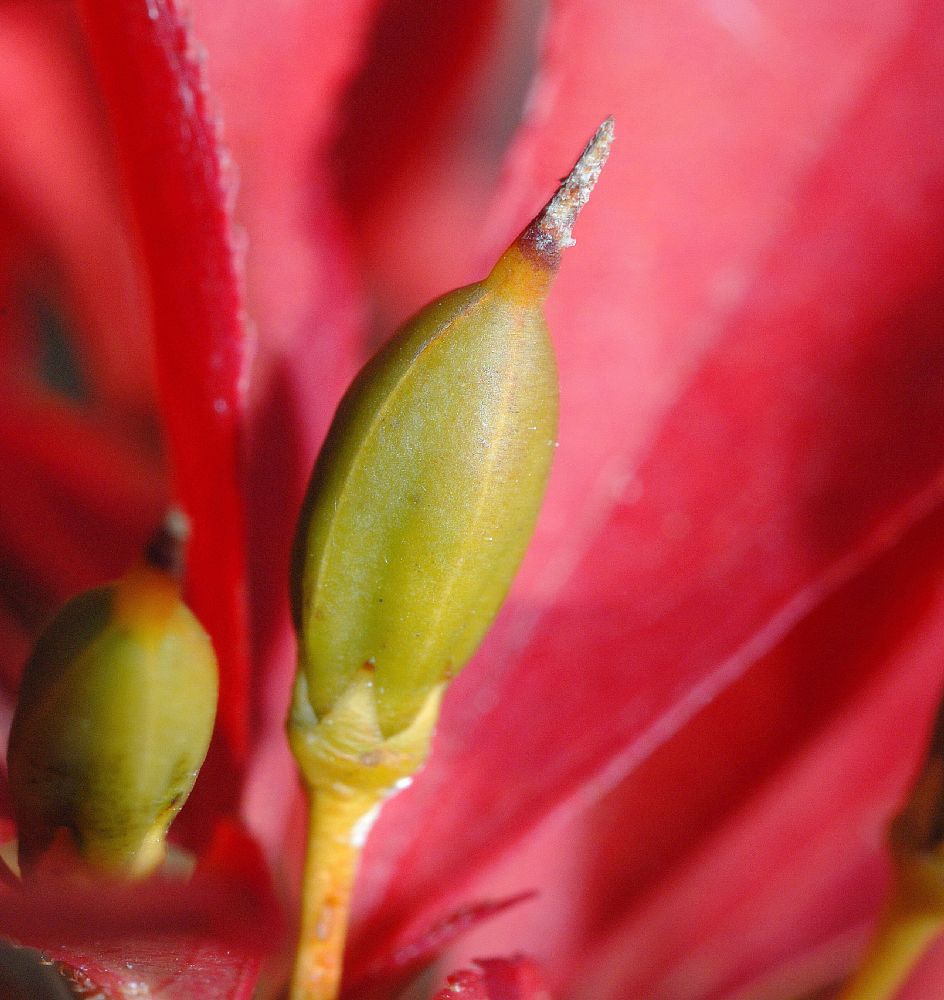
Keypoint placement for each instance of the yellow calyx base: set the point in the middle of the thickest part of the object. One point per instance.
(349, 769)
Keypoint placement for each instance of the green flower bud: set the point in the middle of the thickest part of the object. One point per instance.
(114, 718)
(424, 498)
(428, 486)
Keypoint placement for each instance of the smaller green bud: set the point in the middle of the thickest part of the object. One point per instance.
(114, 718)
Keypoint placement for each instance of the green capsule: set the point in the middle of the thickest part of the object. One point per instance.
(114, 718)
(428, 486)
(424, 498)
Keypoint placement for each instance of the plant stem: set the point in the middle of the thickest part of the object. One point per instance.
(900, 940)
(335, 834)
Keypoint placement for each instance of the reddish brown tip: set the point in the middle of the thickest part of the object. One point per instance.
(550, 232)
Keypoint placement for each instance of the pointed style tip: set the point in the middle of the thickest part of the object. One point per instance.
(165, 549)
(550, 232)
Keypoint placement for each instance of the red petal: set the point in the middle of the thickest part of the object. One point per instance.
(422, 130)
(69, 524)
(789, 857)
(499, 979)
(379, 983)
(203, 940)
(167, 139)
(63, 231)
(302, 299)
(229, 899)
(771, 344)
(166, 970)
(394, 107)
(82, 479)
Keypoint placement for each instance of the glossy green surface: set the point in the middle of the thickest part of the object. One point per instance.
(112, 725)
(424, 498)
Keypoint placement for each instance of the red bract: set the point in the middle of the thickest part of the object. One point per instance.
(711, 683)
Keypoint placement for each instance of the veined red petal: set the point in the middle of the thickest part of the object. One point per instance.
(770, 879)
(749, 338)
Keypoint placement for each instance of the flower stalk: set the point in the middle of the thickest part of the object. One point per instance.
(349, 768)
(336, 819)
(419, 510)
